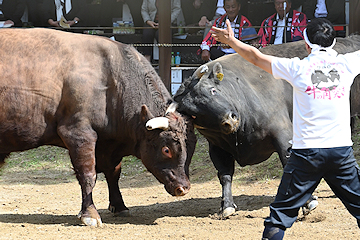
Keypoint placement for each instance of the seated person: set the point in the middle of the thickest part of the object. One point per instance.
(102, 13)
(208, 22)
(135, 11)
(238, 21)
(149, 12)
(14, 10)
(72, 10)
(34, 9)
(333, 10)
(272, 31)
(198, 12)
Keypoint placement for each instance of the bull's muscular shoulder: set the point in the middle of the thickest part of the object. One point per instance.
(288, 50)
(349, 44)
(297, 49)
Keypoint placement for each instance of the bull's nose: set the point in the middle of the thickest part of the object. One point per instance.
(231, 117)
(230, 122)
(181, 191)
(234, 116)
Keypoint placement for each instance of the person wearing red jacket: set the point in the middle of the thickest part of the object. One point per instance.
(238, 21)
(272, 28)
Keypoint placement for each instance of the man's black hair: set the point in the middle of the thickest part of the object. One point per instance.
(320, 31)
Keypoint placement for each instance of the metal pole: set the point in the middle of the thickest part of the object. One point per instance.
(285, 22)
(165, 37)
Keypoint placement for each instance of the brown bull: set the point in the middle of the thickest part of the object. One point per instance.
(95, 97)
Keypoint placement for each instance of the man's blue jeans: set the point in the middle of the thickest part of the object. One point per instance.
(302, 174)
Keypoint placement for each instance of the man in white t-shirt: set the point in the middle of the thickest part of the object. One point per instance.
(322, 146)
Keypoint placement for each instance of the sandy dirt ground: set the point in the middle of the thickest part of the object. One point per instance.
(48, 211)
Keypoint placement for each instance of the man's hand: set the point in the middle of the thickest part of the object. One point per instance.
(250, 53)
(205, 55)
(222, 35)
(152, 24)
(73, 22)
(53, 23)
(9, 22)
(204, 22)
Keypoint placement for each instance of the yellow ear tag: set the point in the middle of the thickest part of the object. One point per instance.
(220, 76)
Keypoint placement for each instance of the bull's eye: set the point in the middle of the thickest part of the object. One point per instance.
(166, 151)
(213, 91)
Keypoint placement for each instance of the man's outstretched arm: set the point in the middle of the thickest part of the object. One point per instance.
(248, 52)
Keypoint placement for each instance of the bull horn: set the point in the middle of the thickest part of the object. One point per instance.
(201, 71)
(172, 108)
(158, 123)
(218, 71)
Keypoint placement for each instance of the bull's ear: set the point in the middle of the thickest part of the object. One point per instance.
(218, 71)
(145, 114)
(201, 71)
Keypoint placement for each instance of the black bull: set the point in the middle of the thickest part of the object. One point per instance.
(244, 113)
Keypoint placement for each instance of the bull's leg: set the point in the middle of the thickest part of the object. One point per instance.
(224, 163)
(3, 156)
(80, 142)
(116, 205)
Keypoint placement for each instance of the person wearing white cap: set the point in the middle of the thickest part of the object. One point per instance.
(321, 144)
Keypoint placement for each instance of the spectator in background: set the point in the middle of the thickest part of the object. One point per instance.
(238, 21)
(34, 9)
(72, 10)
(135, 10)
(198, 12)
(272, 31)
(297, 5)
(14, 10)
(333, 10)
(102, 12)
(149, 12)
(219, 11)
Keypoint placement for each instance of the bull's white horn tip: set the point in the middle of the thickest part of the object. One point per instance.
(157, 123)
(204, 69)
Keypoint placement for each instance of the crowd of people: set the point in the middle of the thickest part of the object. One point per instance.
(286, 24)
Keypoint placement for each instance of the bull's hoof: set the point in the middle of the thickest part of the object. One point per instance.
(122, 213)
(227, 212)
(88, 221)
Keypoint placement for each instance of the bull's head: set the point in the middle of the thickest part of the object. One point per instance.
(206, 97)
(167, 148)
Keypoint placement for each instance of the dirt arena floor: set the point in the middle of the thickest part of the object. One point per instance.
(48, 211)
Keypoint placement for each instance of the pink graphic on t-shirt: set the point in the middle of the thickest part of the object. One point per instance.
(325, 86)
